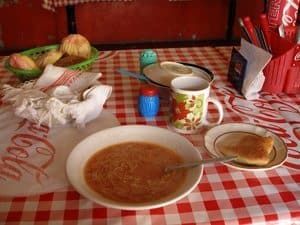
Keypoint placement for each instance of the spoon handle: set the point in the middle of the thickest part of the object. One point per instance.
(194, 164)
(127, 73)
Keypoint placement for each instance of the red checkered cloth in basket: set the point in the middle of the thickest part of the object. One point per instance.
(52, 4)
(224, 195)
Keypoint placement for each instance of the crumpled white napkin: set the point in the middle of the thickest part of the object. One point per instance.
(59, 96)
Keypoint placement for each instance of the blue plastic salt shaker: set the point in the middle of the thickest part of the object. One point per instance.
(147, 57)
(148, 102)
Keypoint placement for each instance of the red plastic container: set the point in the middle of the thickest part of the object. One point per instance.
(292, 83)
(282, 72)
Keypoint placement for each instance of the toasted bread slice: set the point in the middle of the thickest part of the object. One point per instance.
(249, 148)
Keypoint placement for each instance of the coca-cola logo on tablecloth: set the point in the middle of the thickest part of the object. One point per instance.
(272, 114)
(34, 156)
(15, 163)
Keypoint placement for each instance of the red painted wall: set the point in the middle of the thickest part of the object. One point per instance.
(26, 24)
(155, 20)
(248, 8)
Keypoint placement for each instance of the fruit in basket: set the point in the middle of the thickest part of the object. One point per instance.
(29, 64)
(49, 57)
(24, 62)
(76, 45)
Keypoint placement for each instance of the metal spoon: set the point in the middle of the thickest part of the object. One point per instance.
(194, 164)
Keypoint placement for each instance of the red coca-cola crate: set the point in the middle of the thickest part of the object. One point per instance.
(282, 74)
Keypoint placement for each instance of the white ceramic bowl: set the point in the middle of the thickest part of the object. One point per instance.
(86, 148)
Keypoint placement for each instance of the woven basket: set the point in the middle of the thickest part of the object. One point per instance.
(34, 53)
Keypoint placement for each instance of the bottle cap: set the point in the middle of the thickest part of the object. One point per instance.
(148, 90)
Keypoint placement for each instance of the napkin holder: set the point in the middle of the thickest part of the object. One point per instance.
(246, 69)
(282, 72)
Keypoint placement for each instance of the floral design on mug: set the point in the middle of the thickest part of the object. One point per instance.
(187, 111)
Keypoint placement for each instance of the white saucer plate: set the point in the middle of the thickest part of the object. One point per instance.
(163, 78)
(216, 134)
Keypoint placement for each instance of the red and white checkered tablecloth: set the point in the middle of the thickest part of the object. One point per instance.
(224, 195)
(52, 4)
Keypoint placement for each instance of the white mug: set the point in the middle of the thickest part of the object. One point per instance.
(189, 103)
